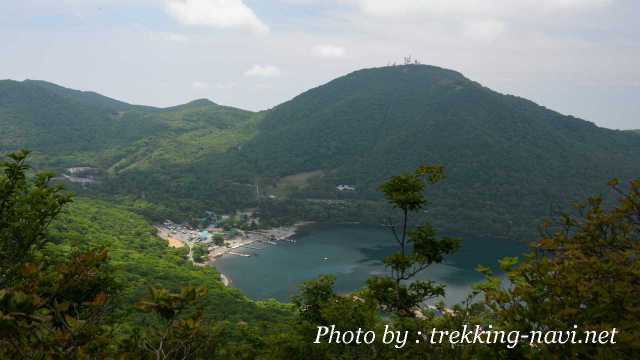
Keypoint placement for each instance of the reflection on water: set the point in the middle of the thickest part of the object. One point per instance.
(352, 253)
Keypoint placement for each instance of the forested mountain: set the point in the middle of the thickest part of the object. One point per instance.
(87, 98)
(43, 116)
(507, 159)
(66, 127)
(509, 162)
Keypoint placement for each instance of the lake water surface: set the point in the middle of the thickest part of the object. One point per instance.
(353, 253)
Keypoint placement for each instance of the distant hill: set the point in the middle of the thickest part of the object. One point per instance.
(87, 98)
(40, 115)
(509, 162)
(67, 127)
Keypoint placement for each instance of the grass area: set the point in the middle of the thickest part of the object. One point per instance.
(187, 141)
(285, 185)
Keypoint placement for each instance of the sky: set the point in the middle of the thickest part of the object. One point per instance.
(578, 57)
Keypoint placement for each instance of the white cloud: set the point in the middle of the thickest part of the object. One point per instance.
(216, 13)
(225, 85)
(199, 85)
(164, 36)
(484, 30)
(299, 2)
(167, 36)
(386, 8)
(176, 37)
(266, 71)
(574, 4)
(478, 20)
(263, 86)
(329, 51)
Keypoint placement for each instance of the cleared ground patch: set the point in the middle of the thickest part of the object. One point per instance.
(287, 184)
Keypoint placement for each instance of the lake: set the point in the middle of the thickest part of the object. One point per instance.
(352, 253)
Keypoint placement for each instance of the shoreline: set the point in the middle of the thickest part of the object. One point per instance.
(235, 246)
(264, 236)
(290, 232)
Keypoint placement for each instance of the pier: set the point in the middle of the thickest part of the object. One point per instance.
(238, 254)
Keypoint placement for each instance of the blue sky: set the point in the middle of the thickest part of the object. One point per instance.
(578, 57)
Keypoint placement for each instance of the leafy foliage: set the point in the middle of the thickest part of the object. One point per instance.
(406, 193)
(318, 305)
(59, 310)
(26, 211)
(584, 272)
(47, 308)
(200, 253)
(176, 333)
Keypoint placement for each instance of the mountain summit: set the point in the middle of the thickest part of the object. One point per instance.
(504, 155)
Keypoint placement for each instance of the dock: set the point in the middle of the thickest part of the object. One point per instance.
(238, 254)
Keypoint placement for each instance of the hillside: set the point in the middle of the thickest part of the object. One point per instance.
(43, 116)
(67, 128)
(141, 260)
(138, 152)
(508, 161)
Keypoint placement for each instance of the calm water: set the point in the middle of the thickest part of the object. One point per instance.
(353, 254)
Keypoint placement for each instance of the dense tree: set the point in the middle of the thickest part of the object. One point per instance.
(218, 239)
(200, 253)
(176, 328)
(48, 308)
(318, 305)
(419, 246)
(26, 210)
(585, 271)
